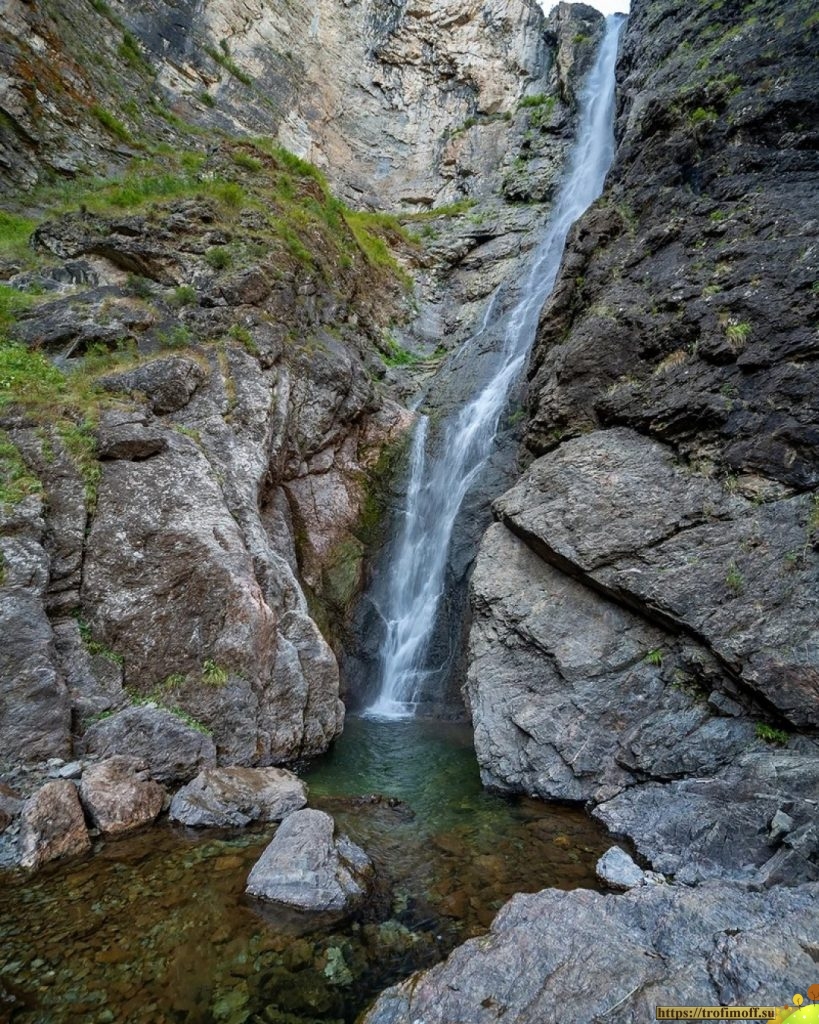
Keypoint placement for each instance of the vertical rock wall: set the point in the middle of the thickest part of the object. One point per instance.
(646, 609)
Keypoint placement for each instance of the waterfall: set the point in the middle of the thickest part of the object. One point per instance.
(438, 483)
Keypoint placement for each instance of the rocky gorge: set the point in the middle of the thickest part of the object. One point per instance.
(205, 397)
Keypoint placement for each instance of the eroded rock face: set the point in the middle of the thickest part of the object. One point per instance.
(308, 867)
(645, 612)
(119, 796)
(619, 511)
(52, 825)
(172, 750)
(579, 955)
(219, 797)
(34, 708)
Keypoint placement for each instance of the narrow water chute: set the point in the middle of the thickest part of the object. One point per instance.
(438, 482)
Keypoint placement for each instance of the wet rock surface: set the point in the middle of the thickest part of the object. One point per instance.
(585, 956)
(308, 867)
(220, 797)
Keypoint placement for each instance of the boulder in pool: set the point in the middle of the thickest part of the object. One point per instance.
(224, 797)
(310, 868)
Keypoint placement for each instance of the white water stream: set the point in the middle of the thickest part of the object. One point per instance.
(439, 483)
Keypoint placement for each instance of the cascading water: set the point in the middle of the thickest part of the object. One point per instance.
(439, 483)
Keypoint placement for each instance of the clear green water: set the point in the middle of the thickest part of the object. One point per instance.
(156, 929)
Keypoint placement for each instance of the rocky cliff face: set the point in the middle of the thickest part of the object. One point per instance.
(671, 508)
(645, 606)
(203, 344)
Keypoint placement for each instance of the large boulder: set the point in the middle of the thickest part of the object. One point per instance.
(220, 797)
(119, 796)
(173, 750)
(581, 956)
(621, 512)
(308, 867)
(52, 825)
(755, 820)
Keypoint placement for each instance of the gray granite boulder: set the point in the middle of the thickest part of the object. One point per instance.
(753, 821)
(119, 796)
(220, 797)
(617, 870)
(308, 867)
(582, 956)
(172, 749)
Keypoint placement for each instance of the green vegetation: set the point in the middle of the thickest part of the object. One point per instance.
(771, 735)
(223, 58)
(213, 674)
(655, 657)
(28, 378)
(295, 218)
(737, 334)
(94, 646)
(15, 232)
(180, 336)
(158, 698)
(184, 295)
(131, 52)
(217, 258)
(371, 232)
(813, 515)
(534, 101)
(12, 303)
(175, 681)
(112, 124)
(246, 161)
(702, 115)
(244, 337)
(206, 99)
(16, 481)
(80, 442)
(455, 209)
(734, 578)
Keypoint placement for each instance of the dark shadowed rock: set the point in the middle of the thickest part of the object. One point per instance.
(219, 797)
(34, 708)
(308, 867)
(171, 749)
(582, 956)
(11, 803)
(119, 796)
(52, 825)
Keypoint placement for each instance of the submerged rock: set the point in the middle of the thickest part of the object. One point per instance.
(582, 956)
(308, 867)
(119, 796)
(172, 749)
(220, 797)
(52, 825)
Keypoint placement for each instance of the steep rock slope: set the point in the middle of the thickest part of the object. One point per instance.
(191, 492)
(195, 470)
(645, 608)
(672, 510)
